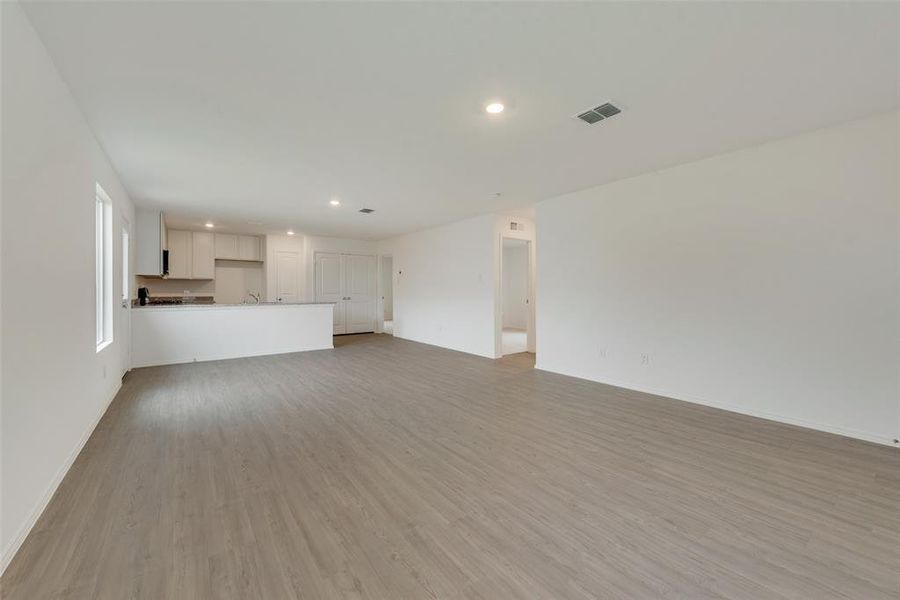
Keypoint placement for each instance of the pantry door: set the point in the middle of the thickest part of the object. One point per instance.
(330, 286)
(347, 280)
(359, 283)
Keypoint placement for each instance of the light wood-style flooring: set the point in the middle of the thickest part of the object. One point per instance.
(390, 469)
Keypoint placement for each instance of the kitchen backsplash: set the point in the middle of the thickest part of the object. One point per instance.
(176, 287)
(234, 279)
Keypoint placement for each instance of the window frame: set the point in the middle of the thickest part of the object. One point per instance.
(103, 266)
(126, 275)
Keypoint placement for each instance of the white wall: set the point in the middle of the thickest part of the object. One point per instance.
(446, 285)
(764, 281)
(55, 386)
(515, 285)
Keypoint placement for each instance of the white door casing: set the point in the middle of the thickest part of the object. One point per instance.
(359, 276)
(330, 286)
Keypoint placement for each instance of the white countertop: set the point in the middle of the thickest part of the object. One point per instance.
(155, 307)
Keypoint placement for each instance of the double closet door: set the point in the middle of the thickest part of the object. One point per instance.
(348, 280)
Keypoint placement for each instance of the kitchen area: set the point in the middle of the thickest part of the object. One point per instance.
(176, 266)
(211, 295)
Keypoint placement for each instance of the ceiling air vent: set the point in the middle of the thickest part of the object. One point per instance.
(604, 111)
(366, 211)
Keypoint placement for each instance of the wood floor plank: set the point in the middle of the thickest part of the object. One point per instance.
(388, 469)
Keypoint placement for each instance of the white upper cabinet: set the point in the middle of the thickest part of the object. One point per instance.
(248, 247)
(191, 255)
(150, 233)
(230, 246)
(203, 256)
(227, 246)
(180, 251)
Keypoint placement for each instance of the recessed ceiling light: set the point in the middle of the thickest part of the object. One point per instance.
(210, 225)
(494, 108)
(335, 202)
(290, 232)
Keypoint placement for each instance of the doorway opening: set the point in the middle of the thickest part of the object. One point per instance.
(387, 293)
(517, 319)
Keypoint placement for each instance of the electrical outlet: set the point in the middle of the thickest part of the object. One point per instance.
(645, 359)
(104, 371)
(602, 352)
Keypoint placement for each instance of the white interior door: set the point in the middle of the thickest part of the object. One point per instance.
(359, 285)
(330, 286)
(349, 281)
(287, 282)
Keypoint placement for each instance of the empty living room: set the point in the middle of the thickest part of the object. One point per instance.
(449, 300)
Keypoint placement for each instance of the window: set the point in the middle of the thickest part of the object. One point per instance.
(103, 241)
(126, 292)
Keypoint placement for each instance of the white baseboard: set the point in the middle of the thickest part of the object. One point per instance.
(827, 428)
(437, 345)
(26, 528)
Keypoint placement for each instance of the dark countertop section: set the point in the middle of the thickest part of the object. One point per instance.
(174, 301)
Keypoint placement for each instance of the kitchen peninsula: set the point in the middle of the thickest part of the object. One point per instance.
(165, 335)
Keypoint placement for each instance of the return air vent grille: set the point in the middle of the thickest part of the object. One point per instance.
(597, 114)
(366, 211)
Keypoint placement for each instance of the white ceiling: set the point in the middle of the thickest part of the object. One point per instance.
(238, 112)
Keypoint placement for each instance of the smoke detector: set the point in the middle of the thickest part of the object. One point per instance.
(598, 113)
